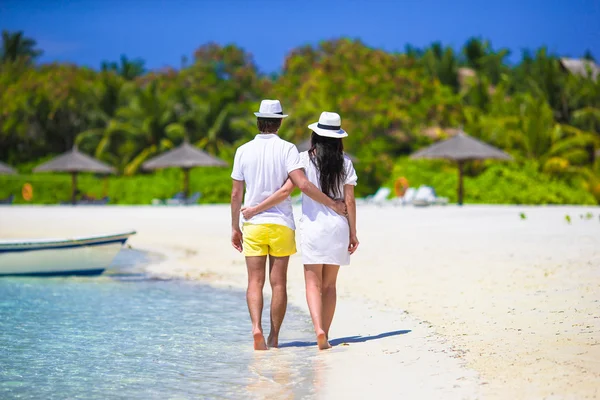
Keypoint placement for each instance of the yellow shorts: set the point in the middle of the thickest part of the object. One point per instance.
(272, 239)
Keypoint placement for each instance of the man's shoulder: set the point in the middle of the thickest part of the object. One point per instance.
(282, 146)
(284, 143)
(243, 147)
(287, 145)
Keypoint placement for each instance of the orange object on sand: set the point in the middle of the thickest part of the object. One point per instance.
(400, 186)
(27, 192)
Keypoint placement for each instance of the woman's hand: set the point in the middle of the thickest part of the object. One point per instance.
(340, 208)
(353, 243)
(248, 212)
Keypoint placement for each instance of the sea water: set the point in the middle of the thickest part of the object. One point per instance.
(126, 335)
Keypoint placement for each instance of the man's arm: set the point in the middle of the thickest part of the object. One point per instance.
(299, 179)
(237, 194)
(271, 201)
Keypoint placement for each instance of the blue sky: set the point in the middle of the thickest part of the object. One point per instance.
(162, 31)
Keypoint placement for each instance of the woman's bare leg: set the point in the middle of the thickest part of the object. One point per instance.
(313, 278)
(328, 295)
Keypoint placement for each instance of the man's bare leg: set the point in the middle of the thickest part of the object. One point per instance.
(254, 296)
(328, 295)
(278, 278)
(313, 279)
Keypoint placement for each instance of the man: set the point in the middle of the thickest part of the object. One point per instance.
(264, 164)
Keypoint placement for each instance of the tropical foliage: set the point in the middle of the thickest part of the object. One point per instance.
(15, 46)
(391, 103)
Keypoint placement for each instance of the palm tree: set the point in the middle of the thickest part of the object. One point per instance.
(480, 56)
(16, 46)
(128, 69)
(588, 56)
(547, 141)
(213, 126)
(143, 127)
(474, 51)
(107, 98)
(541, 74)
(441, 63)
(588, 118)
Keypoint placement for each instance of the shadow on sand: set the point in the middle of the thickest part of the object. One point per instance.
(347, 339)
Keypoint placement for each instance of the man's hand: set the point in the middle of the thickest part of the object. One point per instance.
(236, 239)
(353, 243)
(340, 208)
(248, 212)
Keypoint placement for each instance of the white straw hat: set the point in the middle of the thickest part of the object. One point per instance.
(270, 109)
(329, 125)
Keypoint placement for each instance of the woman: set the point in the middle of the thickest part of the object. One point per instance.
(327, 238)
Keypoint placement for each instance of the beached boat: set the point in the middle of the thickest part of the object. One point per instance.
(89, 255)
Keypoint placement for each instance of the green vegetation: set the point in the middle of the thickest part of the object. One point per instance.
(391, 103)
(494, 183)
(213, 183)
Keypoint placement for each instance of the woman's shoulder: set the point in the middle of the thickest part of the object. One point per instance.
(304, 157)
(347, 161)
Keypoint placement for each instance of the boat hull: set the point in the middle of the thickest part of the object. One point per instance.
(82, 256)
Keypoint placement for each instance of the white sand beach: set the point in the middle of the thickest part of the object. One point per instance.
(446, 302)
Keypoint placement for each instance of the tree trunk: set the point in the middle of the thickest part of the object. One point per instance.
(73, 188)
(105, 186)
(186, 182)
(460, 182)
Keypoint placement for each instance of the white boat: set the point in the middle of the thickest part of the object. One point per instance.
(86, 255)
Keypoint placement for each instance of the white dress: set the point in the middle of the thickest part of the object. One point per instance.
(324, 234)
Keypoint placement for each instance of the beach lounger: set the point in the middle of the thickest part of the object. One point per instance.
(426, 196)
(8, 200)
(96, 202)
(380, 197)
(408, 197)
(172, 201)
(182, 201)
(193, 199)
(87, 202)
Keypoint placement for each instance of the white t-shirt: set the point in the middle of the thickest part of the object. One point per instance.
(264, 164)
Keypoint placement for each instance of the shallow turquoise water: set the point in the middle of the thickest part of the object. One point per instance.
(123, 335)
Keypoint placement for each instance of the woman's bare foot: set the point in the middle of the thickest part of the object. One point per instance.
(259, 341)
(322, 342)
(273, 342)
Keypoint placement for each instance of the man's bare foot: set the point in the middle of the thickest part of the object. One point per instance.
(273, 342)
(322, 342)
(259, 341)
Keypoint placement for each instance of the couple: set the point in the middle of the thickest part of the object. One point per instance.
(270, 168)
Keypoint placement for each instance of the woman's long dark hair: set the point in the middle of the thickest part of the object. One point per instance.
(327, 154)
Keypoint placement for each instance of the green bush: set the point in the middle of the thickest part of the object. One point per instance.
(213, 183)
(491, 183)
(494, 182)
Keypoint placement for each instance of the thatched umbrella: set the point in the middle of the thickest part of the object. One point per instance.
(185, 157)
(6, 169)
(462, 148)
(305, 146)
(75, 162)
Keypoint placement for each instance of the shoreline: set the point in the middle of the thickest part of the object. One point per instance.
(508, 307)
(357, 366)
